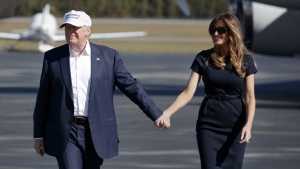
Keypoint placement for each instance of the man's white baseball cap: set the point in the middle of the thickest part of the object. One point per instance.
(77, 18)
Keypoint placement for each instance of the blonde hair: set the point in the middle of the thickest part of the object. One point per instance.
(236, 46)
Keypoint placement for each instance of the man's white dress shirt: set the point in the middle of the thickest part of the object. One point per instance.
(80, 68)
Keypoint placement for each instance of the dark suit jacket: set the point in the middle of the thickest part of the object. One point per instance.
(54, 109)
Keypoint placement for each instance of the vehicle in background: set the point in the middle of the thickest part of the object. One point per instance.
(271, 26)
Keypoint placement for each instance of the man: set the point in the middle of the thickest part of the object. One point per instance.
(74, 118)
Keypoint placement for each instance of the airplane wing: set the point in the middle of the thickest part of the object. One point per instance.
(58, 38)
(106, 35)
(44, 47)
(4, 35)
(117, 35)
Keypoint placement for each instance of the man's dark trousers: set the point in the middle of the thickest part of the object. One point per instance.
(80, 151)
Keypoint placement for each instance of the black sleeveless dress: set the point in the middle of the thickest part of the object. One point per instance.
(220, 123)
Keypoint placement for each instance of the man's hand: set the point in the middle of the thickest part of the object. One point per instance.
(39, 146)
(163, 121)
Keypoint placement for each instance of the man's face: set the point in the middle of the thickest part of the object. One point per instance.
(76, 36)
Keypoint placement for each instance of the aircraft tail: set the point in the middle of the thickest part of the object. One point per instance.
(46, 13)
(182, 4)
(47, 8)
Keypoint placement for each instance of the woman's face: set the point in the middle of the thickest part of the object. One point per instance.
(219, 33)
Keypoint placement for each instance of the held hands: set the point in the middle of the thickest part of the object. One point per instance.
(163, 121)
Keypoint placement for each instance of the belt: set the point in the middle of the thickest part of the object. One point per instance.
(80, 120)
(223, 97)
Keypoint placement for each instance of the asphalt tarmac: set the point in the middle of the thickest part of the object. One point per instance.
(275, 137)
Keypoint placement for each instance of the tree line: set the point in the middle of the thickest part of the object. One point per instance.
(120, 8)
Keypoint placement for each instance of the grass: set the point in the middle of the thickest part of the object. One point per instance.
(163, 36)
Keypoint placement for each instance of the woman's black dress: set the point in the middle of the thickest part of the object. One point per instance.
(220, 122)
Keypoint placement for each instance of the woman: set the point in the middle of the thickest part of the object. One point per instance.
(224, 121)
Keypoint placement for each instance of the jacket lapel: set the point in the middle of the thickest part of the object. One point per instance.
(96, 68)
(65, 69)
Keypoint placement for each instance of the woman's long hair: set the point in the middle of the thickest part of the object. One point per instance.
(236, 46)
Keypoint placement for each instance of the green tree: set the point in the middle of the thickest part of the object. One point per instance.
(122, 8)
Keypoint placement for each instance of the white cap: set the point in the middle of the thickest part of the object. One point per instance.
(77, 18)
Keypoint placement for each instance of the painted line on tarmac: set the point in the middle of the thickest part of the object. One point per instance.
(14, 138)
(285, 133)
(171, 152)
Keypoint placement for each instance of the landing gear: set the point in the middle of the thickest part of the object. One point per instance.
(10, 47)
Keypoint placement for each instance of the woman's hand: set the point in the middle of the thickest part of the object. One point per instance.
(246, 134)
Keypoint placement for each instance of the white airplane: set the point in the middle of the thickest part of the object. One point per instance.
(43, 29)
(271, 26)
